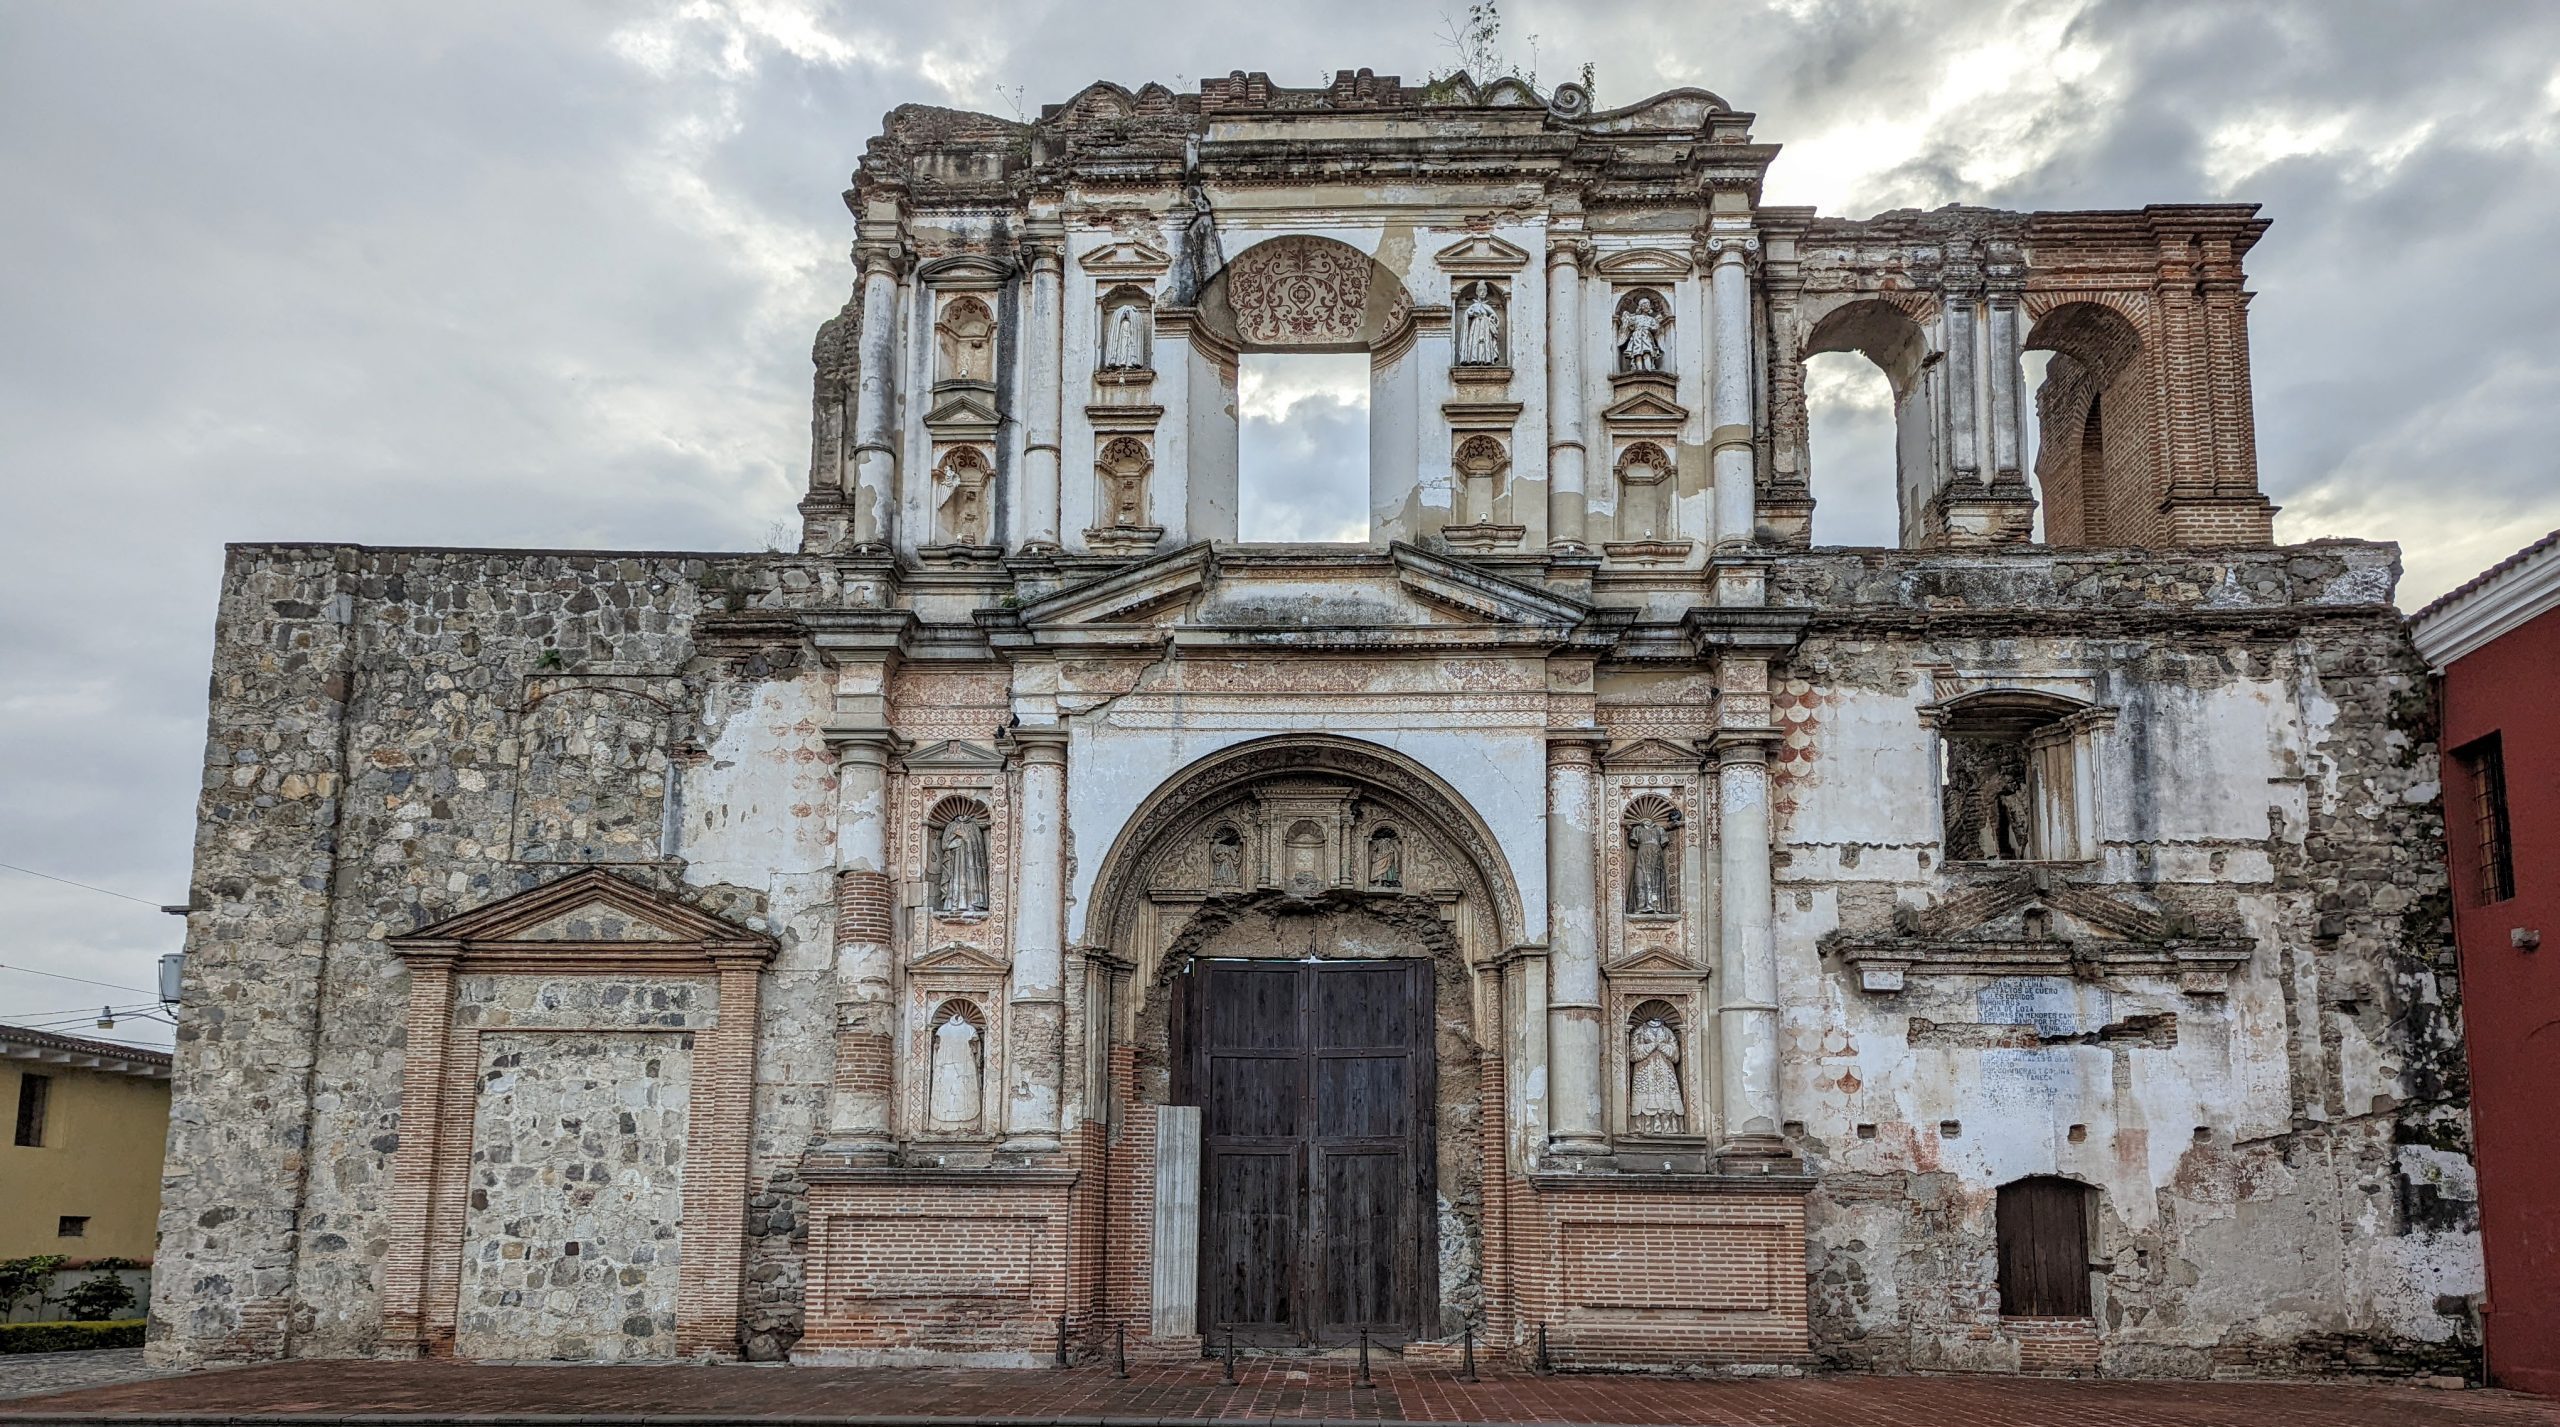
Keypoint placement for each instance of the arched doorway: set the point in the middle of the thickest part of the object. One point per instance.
(1311, 926)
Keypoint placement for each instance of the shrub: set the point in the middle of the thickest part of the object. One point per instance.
(99, 1297)
(20, 1277)
(69, 1337)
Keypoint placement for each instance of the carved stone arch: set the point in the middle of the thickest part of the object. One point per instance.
(1303, 293)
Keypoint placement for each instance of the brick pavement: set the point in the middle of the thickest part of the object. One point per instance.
(1271, 1390)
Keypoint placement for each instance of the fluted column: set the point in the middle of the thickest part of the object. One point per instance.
(1729, 404)
(875, 456)
(1040, 461)
(858, 1116)
(1567, 509)
(1573, 943)
(1038, 1009)
(1747, 969)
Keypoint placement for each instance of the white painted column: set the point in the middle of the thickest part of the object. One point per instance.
(875, 456)
(2008, 426)
(1038, 1006)
(1729, 404)
(1573, 944)
(1747, 968)
(1964, 387)
(1046, 342)
(858, 1113)
(1568, 511)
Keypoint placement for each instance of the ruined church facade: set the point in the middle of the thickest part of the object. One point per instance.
(1589, 912)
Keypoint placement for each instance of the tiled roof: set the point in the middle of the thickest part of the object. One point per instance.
(26, 1043)
(2488, 576)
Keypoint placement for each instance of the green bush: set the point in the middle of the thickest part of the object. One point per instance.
(21, 1277)
(69, 1337)
(98, 1298)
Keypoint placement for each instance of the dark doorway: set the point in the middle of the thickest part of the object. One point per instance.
(2043, 1227)
(1314, 1080)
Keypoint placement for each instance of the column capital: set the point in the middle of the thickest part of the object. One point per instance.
(887, 257)
(1727, 746)
(1575, 747)
(862, 743)
(1568, 251)
(1042, 744)
(1715, 248)
(1044, 253)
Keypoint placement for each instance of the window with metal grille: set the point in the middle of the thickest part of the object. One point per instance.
(33, 1092)
(2044, 1248)
(2493, 852)
(72, 1226)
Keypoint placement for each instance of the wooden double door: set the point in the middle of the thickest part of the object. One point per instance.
(1318, 1212)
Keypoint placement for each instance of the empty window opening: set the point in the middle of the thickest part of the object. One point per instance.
(1849, 410)
(2493, 858)
(1302, 447)
(33, 1092)
(2044, 1248)
(72, 1226)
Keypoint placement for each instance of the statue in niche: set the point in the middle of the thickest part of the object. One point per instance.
(1480, 330)
(1124, 346)
(1640, 336)
(956, 1091)
(960, 866)
(1386, 858)
(2015, 821)
(1226, 858)
(1305, 853)
(1989, 803)
(1650, 864)
(968, 333)
(965, 478)
(1655, 1104)
(1123, 468)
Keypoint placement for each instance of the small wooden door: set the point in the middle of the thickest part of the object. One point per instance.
(2043, 1227)
(1315, 1086)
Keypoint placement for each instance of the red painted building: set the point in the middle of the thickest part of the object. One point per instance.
(2496, 644)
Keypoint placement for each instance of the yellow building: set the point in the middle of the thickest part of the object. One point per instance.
(80, 1170)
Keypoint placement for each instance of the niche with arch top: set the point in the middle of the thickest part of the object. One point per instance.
(955, 1071)
(1126, 347)
(960, 873)
(1644, 475)
(965, 341)
(1640, 333)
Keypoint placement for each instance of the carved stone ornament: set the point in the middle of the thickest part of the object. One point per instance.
(1386, 858)
(1653, 858)
(1643, 333)
(1480, 327)
(1124, 336)
(1304, 291)
(960, 488)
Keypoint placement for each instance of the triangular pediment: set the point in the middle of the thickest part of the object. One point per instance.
(1135, 592)
(1650, 959)
(1647, 408)
(1642, 263)
(1652, 753)
(1466, 589)
(948, 754)
(591, 908)
(1481, 253)
(1128, 258)
(958, 956)
(971, 405)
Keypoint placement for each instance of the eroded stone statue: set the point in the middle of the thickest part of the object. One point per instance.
(956, 1095)
(960, 880)
(1125, 348)
(1480, 331)
(1648, 866)
(1640, 337)
(1655, 1103)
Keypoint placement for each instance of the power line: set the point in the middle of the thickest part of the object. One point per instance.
(83, 886)
(83, 980)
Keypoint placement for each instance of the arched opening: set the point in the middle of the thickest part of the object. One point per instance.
(2044, 1230)
(1311, 928)
(1868, 405)
(2017, 776)
(1322, 444)
(2094, 451)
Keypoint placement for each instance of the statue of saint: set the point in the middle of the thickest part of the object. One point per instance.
(1655, 1104)
(2015, 822)
(1648, 866)
(954, 1100)
(1226, 858)
(1386, 858)
(960, 882)
(1480, 331)
(1125, 349)
(1640, 337)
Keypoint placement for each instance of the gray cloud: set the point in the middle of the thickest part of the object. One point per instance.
(546, 275)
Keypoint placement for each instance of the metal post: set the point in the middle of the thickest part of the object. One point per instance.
(1231, 1352)
(1062, 1341)
(1467, 1366)
(1120, 1350)
(1364, 1361)
(1545, 1364)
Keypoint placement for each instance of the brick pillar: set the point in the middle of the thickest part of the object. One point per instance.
(858, 1116)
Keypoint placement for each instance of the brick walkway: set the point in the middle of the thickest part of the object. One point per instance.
(315, 1392)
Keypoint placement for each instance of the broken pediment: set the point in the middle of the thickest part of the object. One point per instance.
(1481, 254)
(2027, 925)
(593, 912)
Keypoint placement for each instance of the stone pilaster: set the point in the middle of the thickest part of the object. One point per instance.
(1567, 508)
(1747, 969)
(1729, 403)
(1046, 340)
(1574, 1104)
(1039, 943)
(875, 456)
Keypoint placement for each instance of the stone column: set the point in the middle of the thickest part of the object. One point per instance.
(2007, 423)
(1729, 404)
(875, 457)
(1573, 944)
(1747, 967)
(1964, 391)
(1567, 510)
(858, 1115)
(1039, 943)
(1046, 341)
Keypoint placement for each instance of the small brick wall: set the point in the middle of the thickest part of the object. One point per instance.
(942, 1266)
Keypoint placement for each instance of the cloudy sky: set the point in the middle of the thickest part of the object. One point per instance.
(545, 274)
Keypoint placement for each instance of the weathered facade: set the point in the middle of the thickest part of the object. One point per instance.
(1588, 905)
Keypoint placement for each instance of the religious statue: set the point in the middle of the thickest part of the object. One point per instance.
(1649, 867)
(2015, 822)
(960, 870)
(1640, 337)
(1655, 1104)
(1124, 348)
(1386, 858)
(955, 1098)
(963, 513)
(1480, 331)
(1226, 858)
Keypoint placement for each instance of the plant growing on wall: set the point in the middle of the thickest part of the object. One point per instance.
(20, 1277)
